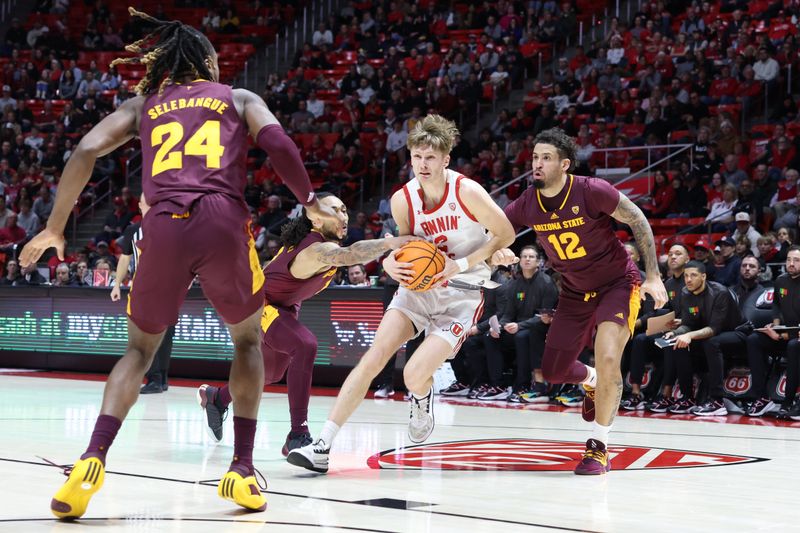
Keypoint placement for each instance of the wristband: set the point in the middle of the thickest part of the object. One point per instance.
(463, 264)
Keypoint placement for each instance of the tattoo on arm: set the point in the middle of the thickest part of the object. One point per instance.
(628, 213)
(703, 333)
(331, 254)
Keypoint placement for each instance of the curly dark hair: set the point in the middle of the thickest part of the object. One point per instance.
(296, 230)
(564, 144)
(171, 50)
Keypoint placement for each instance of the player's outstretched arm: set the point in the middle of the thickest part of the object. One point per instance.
(629, 213)
(330, 254)
(112, 132)
(283, 153)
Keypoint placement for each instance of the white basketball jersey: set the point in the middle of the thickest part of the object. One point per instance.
(449, 225)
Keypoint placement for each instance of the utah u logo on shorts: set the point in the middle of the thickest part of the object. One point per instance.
(456, 329)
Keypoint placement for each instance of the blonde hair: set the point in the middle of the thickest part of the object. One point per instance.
(434, 131)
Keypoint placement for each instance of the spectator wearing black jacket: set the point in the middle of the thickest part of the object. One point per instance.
(785, 312)
(707, 309)
(728, 274)
(730, 344)
(473, 349)
(523, 331)
(643, 348)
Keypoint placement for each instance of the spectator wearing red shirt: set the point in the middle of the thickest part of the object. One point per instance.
(714, 189)
(587, 97)
(338, 163)
(348, 113)
(432, 60)
(579, 63)
(633, 130)
(663, 197)
(418, 70)
(664, 66)
(749, 89)
(619, 158)
(624, 106)
(780, 29)
(723, 89)
(781, 156)
(12, 235)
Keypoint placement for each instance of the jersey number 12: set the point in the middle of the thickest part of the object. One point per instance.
(567, 245)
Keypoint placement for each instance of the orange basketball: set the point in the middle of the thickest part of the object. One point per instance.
(427, 261)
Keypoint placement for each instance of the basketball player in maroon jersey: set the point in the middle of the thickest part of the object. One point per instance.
(304, 266)
(571, 216)
(194, 142)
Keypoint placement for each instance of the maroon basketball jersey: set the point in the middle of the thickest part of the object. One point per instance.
(193, 143)
(574, 229)
(281, 289)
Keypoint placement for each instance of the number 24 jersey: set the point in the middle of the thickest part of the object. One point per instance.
(574, 229)
(193, 143)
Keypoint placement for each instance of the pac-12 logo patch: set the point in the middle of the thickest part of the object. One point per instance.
(541, 456)
(456, 329)
(452, 206)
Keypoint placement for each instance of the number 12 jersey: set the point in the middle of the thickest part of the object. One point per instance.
(574, 229)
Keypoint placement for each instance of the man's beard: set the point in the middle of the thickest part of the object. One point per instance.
(331, 235)
(538, 184)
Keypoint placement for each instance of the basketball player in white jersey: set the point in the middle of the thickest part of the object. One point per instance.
(455, 213)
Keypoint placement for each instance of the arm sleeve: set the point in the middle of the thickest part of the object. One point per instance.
(286, 160)
(601, 197)
(126, 241)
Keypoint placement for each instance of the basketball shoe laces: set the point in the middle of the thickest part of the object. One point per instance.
(259, 479)
(65, 469)
(597, 455)
(420, 405)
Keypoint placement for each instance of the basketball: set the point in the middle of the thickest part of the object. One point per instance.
(427, 261)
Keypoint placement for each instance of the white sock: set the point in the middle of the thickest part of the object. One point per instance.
(600, 432)
(328, 433)
(592, 379)
(424, 396)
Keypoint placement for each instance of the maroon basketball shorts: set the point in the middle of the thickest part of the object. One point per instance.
(579, 312)
(212, 241)
(285, 341)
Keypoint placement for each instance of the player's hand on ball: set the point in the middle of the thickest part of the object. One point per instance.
(47, 238)
(655, 288)
(504, 257)
(450, 269)
(400, 272)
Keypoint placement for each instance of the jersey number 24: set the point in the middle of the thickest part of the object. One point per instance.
(203, 143)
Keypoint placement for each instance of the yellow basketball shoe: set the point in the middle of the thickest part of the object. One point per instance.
(242, 491)
(73, 497)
